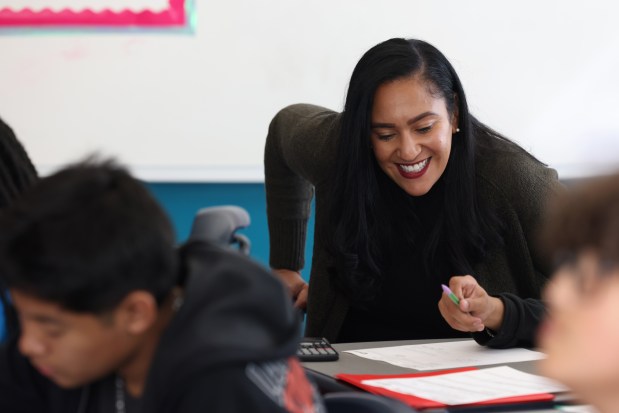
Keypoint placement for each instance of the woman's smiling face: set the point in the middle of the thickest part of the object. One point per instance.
(411, 134)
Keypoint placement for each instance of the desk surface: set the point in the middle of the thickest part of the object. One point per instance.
(351, 364)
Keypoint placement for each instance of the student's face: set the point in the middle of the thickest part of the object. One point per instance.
(581, 333)
(71, 349)
(411, 134)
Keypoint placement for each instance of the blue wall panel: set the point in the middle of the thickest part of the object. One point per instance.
(182, 201)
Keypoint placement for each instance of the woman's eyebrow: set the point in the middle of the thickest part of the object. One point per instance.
(377, 125)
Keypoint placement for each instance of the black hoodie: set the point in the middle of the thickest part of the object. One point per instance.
(229, 348)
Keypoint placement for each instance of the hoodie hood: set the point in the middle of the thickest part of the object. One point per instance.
(234, 311)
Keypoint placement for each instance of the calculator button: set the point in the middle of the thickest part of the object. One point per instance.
(316, 349)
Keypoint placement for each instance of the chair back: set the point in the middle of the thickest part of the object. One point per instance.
(219, 225)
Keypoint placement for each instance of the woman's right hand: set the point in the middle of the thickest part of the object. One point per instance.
(296, 286)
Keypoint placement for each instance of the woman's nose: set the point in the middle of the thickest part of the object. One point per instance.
(409, 147)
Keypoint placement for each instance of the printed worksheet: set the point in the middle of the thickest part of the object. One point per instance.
(446, 355)
(471, 386)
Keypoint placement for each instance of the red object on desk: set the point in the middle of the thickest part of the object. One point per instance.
(418, 402)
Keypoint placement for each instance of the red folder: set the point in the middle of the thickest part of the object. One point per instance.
(418, 402)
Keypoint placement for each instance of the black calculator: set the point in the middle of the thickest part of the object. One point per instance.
(316, 349)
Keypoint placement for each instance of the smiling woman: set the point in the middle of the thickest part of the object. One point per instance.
(411, 192)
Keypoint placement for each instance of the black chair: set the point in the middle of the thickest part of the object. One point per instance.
(355, 402)
(219, 225)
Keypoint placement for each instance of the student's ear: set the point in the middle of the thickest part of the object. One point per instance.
(137, 312)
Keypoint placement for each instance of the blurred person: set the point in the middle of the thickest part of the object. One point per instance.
(113, 318)
(16, 174)
(581, 333)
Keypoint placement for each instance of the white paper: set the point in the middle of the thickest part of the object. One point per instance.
(471, 386)
(446, 355)
(82, 5)
(578, 409)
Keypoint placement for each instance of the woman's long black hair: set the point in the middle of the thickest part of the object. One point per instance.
(359, 215)
(17, 173)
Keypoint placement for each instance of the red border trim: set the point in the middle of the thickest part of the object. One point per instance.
(175, 15)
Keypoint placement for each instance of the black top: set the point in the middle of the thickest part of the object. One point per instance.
(105, 396)
(406, 304)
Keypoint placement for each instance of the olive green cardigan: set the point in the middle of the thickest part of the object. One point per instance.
(299, 160)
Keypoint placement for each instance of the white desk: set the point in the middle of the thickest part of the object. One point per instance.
(324, 372)
(351, 364)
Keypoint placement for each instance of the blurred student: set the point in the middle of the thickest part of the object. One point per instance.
(115, 319)
(16, 174)
(581, 333)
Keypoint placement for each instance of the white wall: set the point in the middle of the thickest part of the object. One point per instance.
(196, 107)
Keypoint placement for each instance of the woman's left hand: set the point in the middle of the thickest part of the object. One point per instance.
(476, 311)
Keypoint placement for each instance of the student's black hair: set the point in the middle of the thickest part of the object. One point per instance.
(17, 173)
(360, 213)
(85, 237)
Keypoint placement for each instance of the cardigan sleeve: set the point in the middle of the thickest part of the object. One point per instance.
(523, 186)
(299, 154)
(520, 322)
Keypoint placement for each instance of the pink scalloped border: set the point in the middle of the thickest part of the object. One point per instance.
(175, 15)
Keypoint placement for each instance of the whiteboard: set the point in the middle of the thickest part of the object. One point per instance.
(195, 107)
